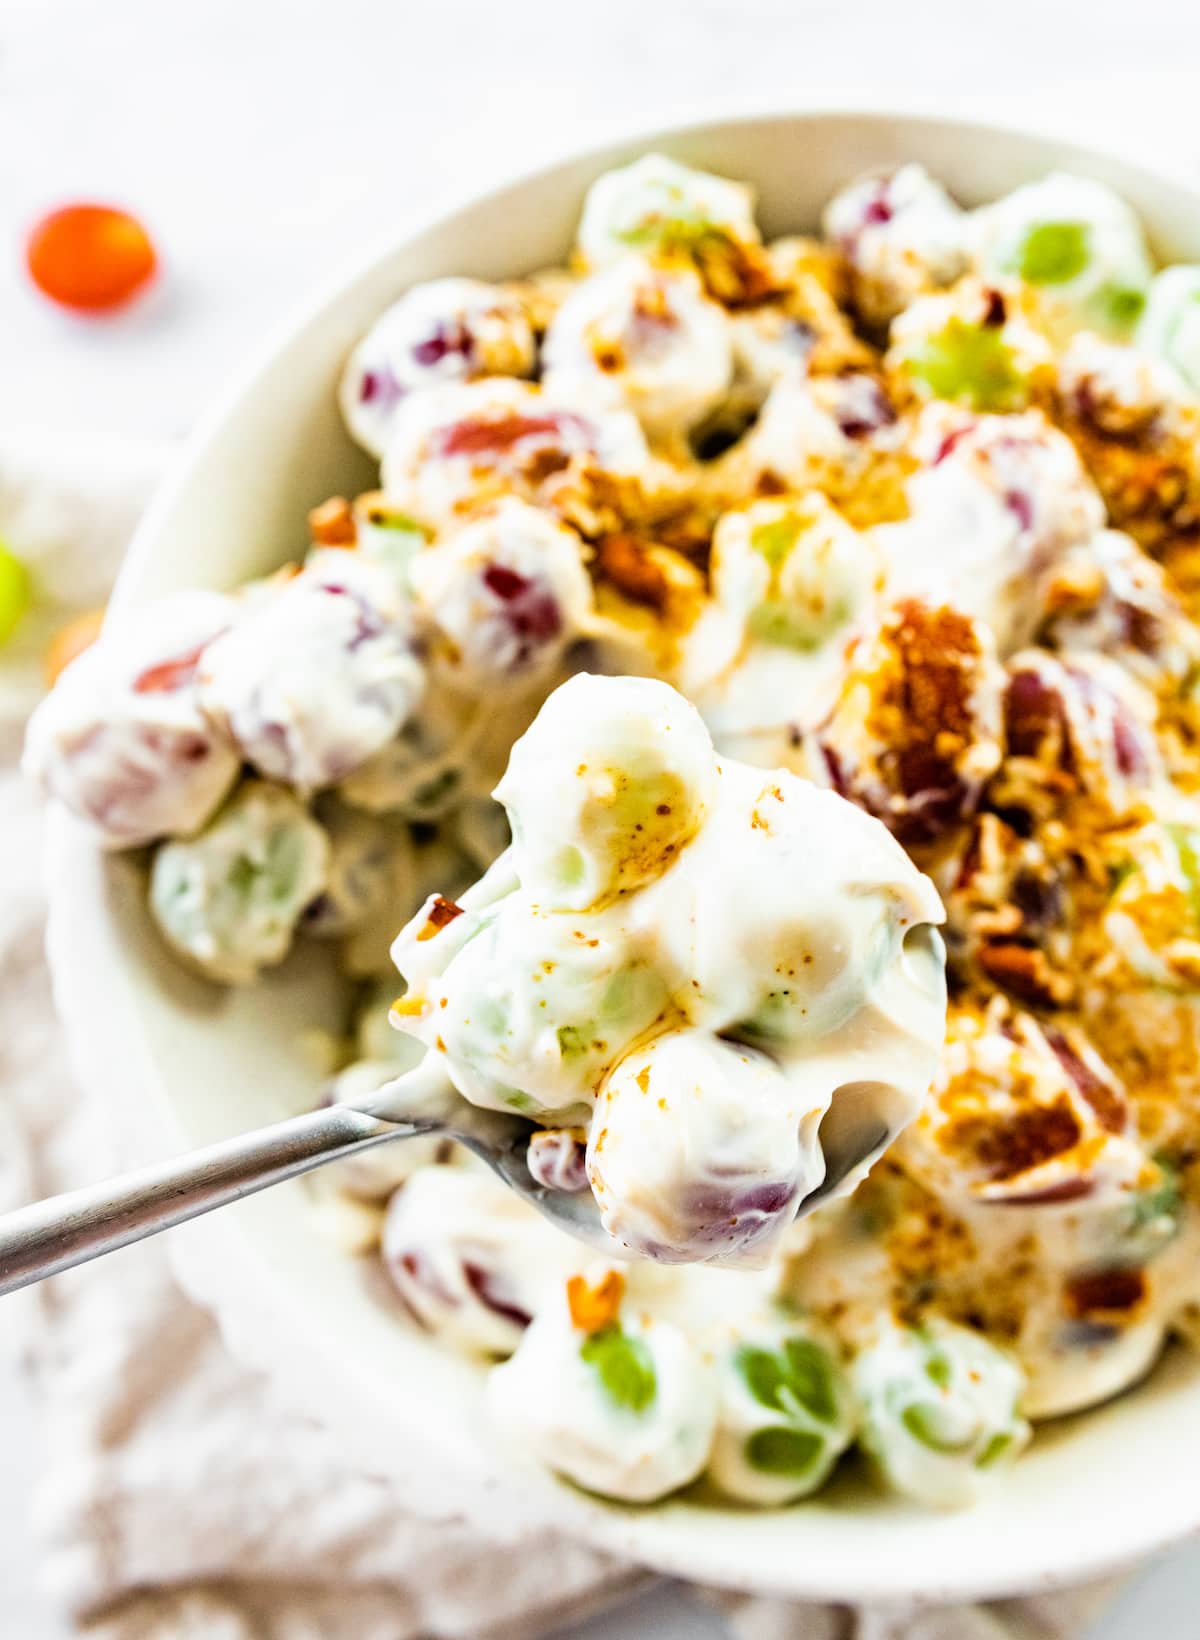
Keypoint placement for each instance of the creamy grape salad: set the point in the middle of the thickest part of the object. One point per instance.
(727, 978)
(729, 613)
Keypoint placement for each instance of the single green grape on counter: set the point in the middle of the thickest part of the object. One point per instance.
(16, 592)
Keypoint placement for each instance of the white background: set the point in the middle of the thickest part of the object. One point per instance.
(264, 141)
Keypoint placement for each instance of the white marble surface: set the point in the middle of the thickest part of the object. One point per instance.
(265, 140)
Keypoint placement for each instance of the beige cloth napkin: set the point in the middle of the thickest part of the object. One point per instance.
(182, 1499)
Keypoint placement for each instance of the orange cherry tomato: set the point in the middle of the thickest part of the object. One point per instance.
(90, 257)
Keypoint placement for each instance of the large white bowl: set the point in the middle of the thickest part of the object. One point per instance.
(187, 1064)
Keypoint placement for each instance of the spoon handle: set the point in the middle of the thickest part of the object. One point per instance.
(52, 1235)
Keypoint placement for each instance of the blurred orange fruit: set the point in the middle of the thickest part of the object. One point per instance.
(90, 257)
(69, 641)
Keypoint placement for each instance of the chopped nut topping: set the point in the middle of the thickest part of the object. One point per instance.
(1075, 589)
(594, 1308)
(1026, 973)
(1104, 1292)
(332, 523)
(623, 560)
(441, 913)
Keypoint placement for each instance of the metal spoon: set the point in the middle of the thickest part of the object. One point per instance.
(62, 1231)
(53, 1235)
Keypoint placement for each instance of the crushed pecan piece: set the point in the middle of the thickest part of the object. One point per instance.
(1025, 973)
(595, 1307)
(332, 523)
(441, 913)
(1103, 1097)
(1104, 1292)
(1012, 1145)
(1075, 589)
(623, 560)
(735, 274)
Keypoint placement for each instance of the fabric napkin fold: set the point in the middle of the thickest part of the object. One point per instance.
(182, 1498)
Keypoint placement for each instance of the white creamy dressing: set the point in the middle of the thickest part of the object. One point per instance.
(447, 443)
(122, 739)
(796, 442)
(446, 330)
(1076, 243)
(644, 339)
(229, 899)
(472, 1261)
(656, 204)
(507, 593)
(1170, 324)
(901, 234)
(316, 676)
(995, 503)
(939, 1410)
(792, 582)
(650, 1438)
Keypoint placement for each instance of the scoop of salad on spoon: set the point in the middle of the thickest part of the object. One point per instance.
(692, 1000)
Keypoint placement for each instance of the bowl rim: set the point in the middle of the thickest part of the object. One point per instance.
(205, 1263)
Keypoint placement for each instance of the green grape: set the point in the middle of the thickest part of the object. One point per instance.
(799, 1376)
(572, 1041)
(1169, 323)
(1054, 253)
(1078, 245)
(796, 568)
(939, 1407)
(1163, 1201)
(774, 623)
(230, 897)
(783, 1451)
(923, 1421)
(1119, 307)
(775, 540)
(679, 232)
(1184, 840)
(1153, 1217)
(994, 1451)
(970, 364)
(623, 1365)
(16, 592)
(786, 1415)
(392, 539)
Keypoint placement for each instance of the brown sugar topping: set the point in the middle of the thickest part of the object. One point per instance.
(934, 647)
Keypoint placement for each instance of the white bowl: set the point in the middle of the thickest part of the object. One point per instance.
(187, 1064)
